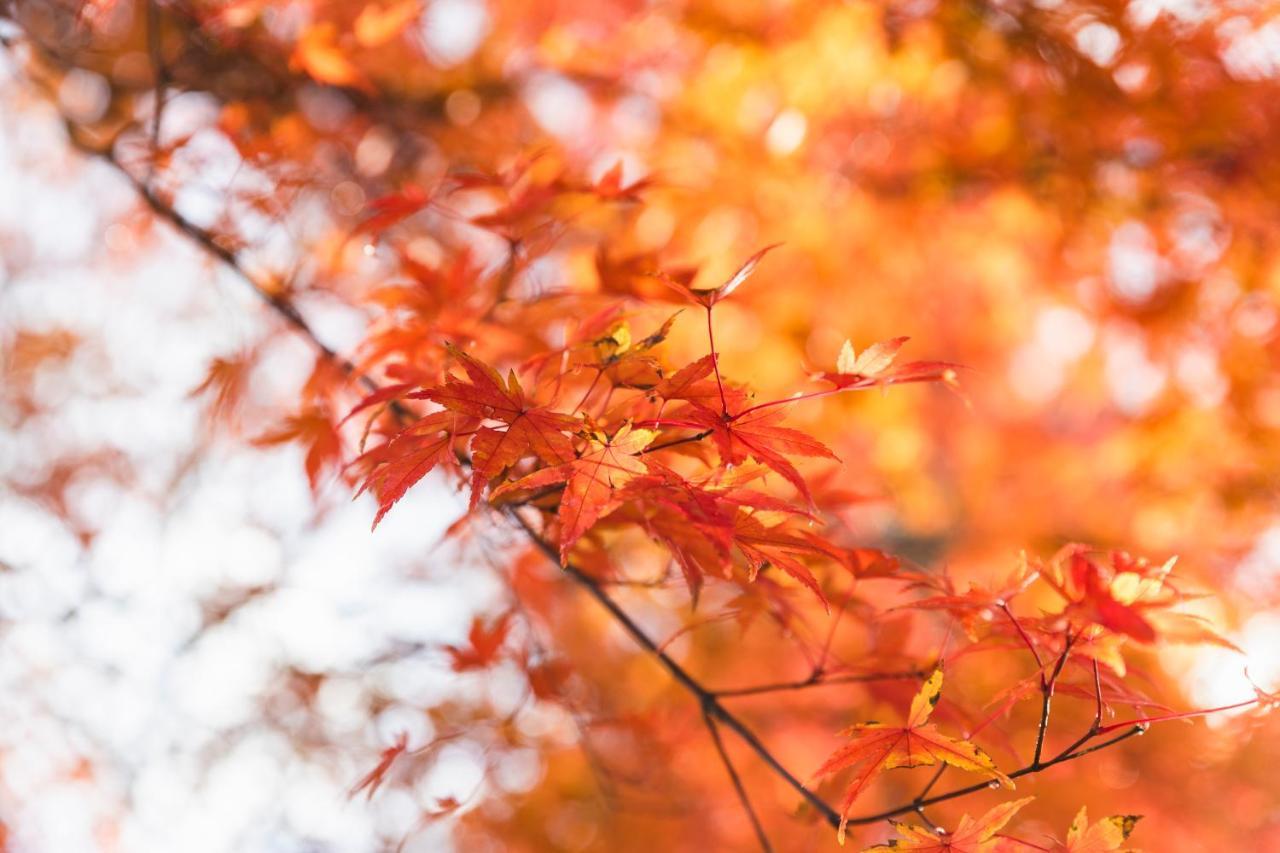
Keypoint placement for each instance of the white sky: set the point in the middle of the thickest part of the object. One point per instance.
(123, 725)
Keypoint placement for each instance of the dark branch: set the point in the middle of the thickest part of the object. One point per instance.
(1030, 769)
(737, 784)
(711, 705)
(817, 680)
(1047, 686)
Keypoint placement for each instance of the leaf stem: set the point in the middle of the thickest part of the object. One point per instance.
(1184, 715)
(1025, 639)
(812, 395)
(715, 363)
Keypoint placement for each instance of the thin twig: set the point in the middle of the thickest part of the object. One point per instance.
(942, 768)
(155, 48)
(831, 632)
(1095, 728)
(1097, 693)
(924, 792)
(1030, 769)
(709, 701)
(919, 810)
(715, 364)
(737, 784)
(1025, 639)
(1046, 702)
(817, 680)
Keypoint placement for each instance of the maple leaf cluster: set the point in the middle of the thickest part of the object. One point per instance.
(600, 438)
(916, 743)
(633, 450)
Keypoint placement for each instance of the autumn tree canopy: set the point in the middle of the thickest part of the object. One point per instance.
(838, 422)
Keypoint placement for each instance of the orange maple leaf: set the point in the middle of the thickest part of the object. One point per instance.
(611, 188)
(318, 54)
(377, 24)
(781, 547)
(531, 429)
(692, 383)
(225, 384)
(972, 835)
(700, 522)
(314, 430)
(594, 481)
(877, 747)
(1106, 836)
(484, 641)
(392, 468)
(757, 435)
(708, 297)
(871, 367)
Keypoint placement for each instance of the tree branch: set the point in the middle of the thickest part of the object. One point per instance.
(1047, 686)
(1030, 769)
(817, 680)
(737, 784)
(712, 708)
(711, 705)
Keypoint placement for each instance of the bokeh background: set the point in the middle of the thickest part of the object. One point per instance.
(201, 651)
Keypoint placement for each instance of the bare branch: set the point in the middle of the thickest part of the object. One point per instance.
(817, 679)
(737, 784)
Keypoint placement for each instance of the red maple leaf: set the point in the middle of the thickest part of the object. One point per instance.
(484, 641)
(1116, 596)
(756, 435)
(972, 835)
(314, 429)
(877, 747)
(391, 469)
(594, 481)
(382, 213)
(375, 777)
(530, 429)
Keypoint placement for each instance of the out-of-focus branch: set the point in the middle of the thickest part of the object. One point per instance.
(737, 784)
